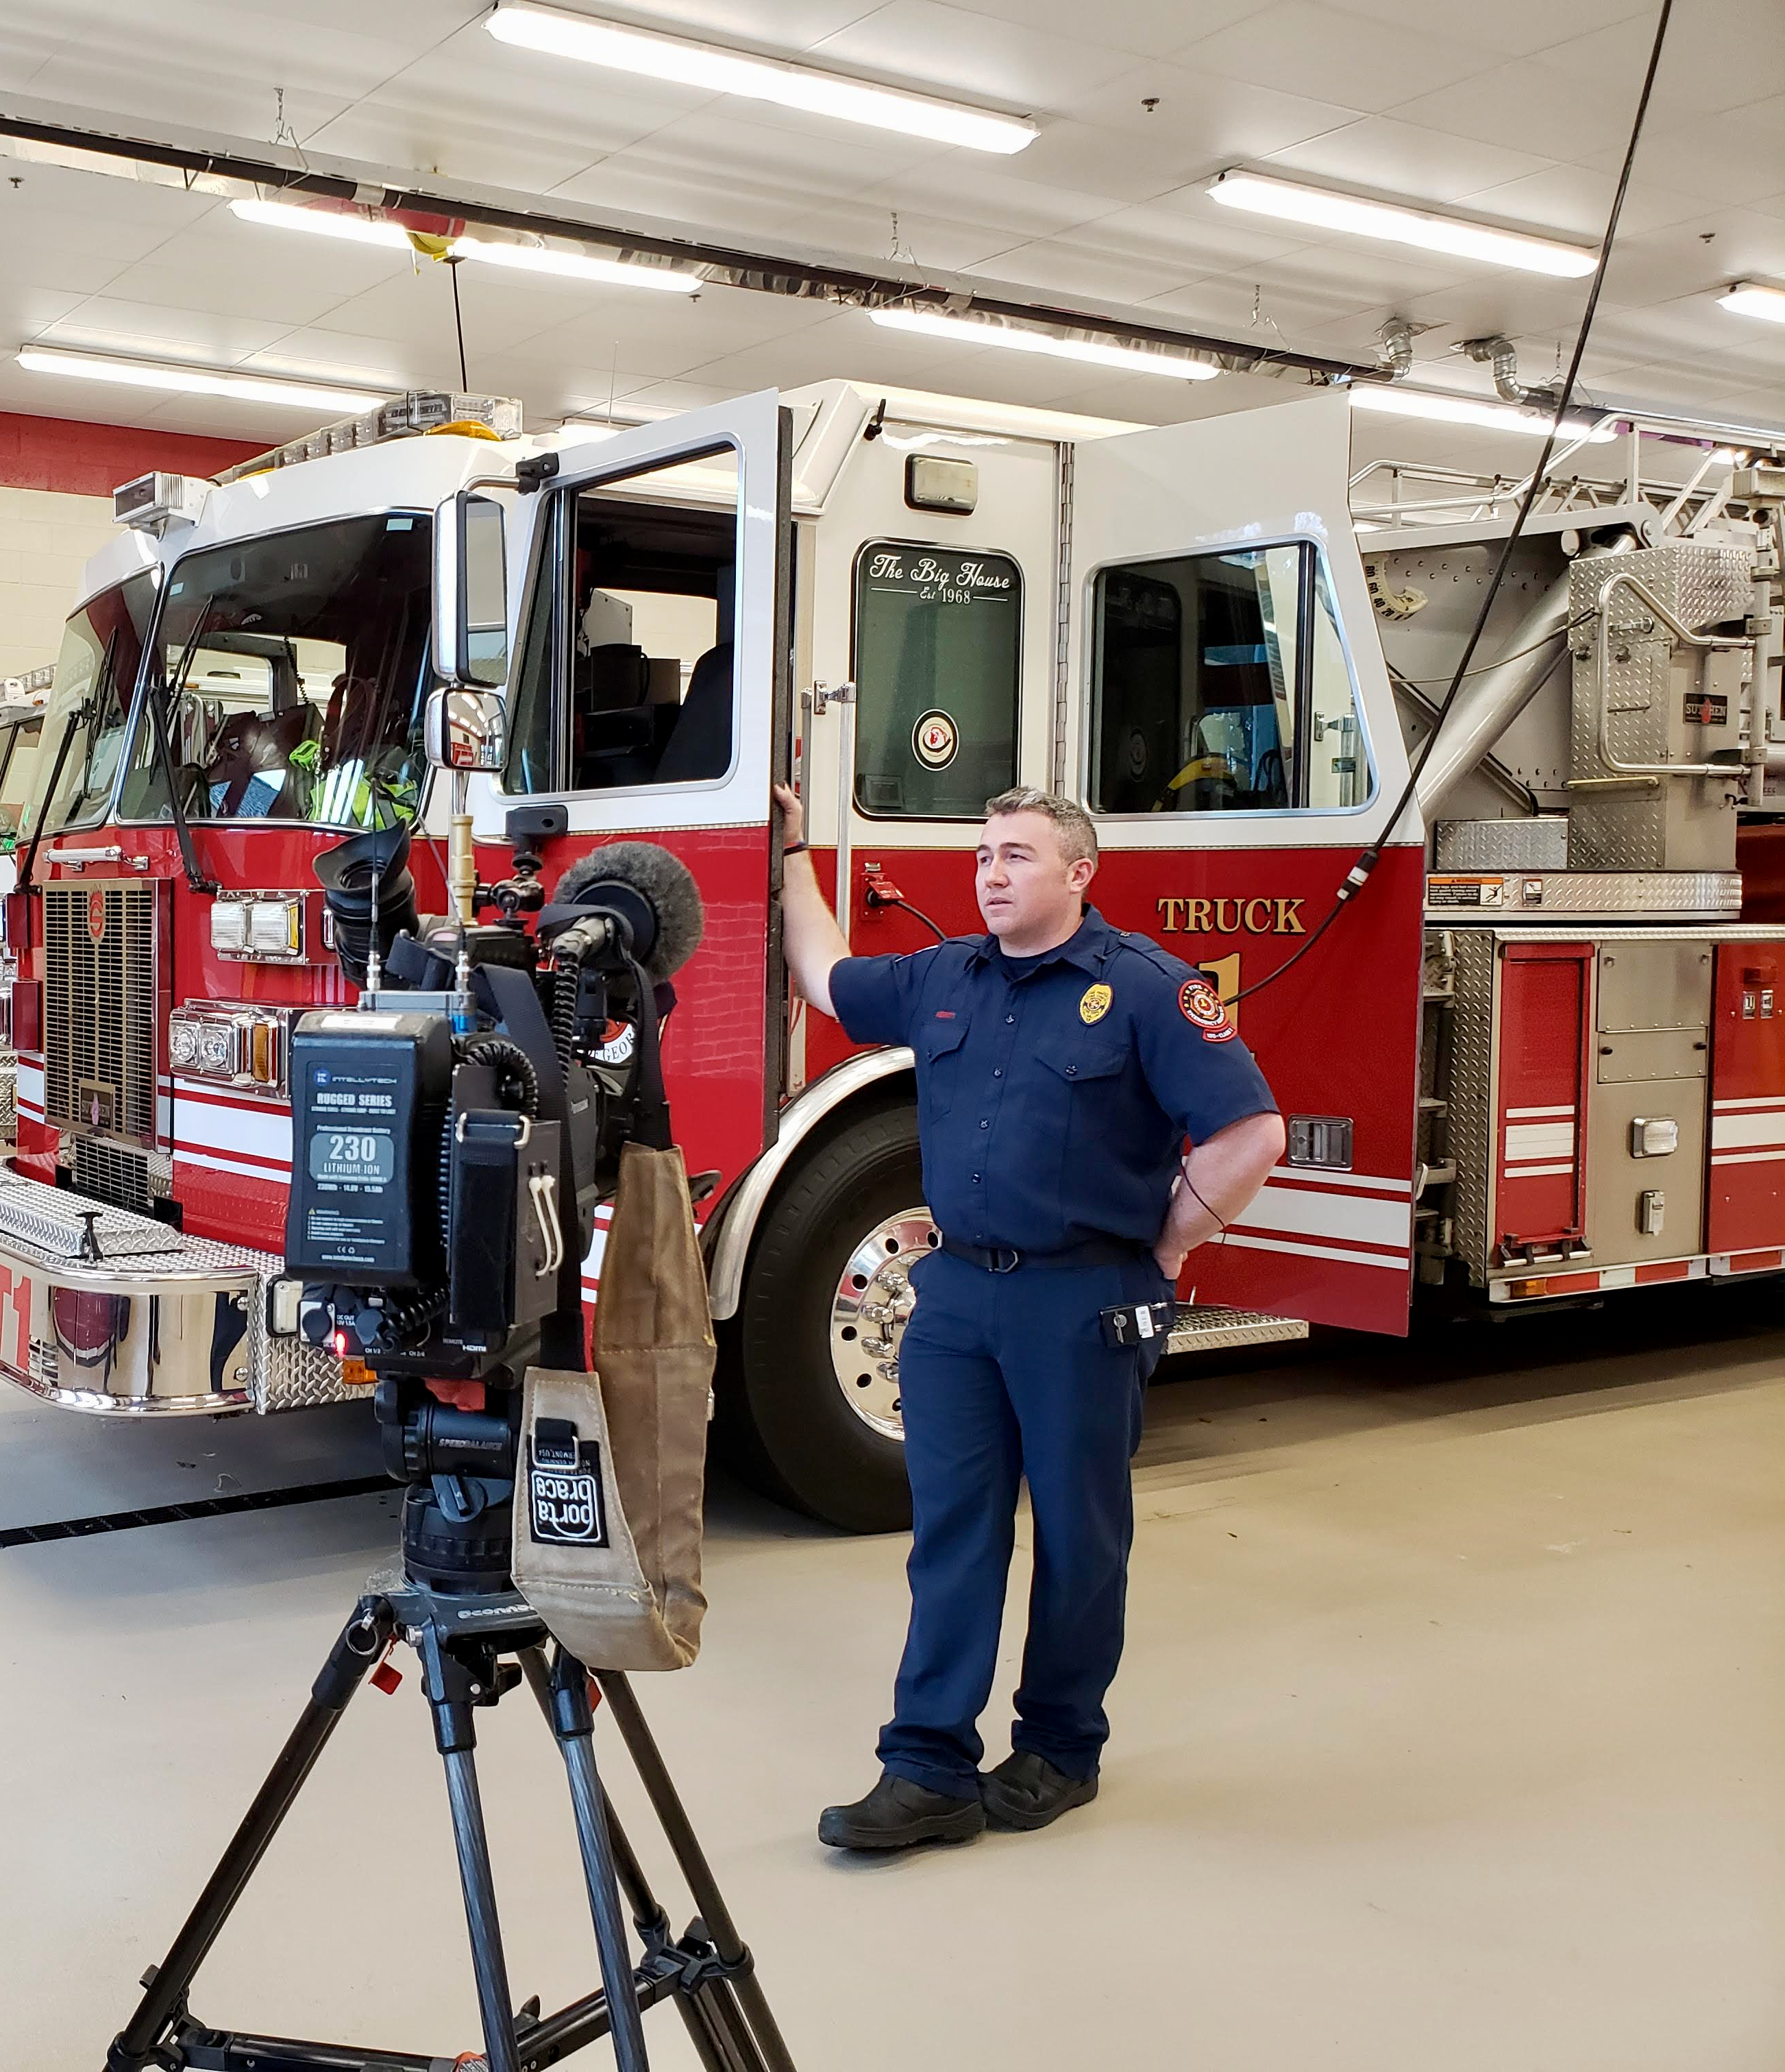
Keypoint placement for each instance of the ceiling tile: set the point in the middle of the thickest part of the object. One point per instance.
(788, 25)
(1528, 107)
(1738, 157)
(1513, 27)
(1699, 257)
(1572, 202)
(421, 141)
(1201, 112)
(989, 195)
(1080, 275)
(1304, 46)
(863, 229)
(1405, 160)
(105, 323)
(970, 56)
(1716, 67)
(1188, 233)
(1150, 27)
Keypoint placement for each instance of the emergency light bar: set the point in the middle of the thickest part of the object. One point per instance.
(405, 417)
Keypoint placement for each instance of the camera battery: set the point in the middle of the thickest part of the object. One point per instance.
(368, 1099)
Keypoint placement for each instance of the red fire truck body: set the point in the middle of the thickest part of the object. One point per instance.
(908, 603)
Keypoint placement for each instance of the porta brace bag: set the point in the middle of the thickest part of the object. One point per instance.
(608, 1500)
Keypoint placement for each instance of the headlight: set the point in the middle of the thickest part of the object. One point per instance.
(182, 1043)
(217, 1048)
(228, 925)
(272, 927)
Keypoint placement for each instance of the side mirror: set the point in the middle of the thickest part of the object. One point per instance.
(470, 592)
(465, 730)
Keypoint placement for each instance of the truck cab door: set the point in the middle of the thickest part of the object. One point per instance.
(648, 699)
(936, 610)
(1232, 728)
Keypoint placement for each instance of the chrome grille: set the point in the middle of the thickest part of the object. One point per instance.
(99, 1008)
(111, 1173)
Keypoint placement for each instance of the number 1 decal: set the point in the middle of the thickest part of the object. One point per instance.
(16, 1291)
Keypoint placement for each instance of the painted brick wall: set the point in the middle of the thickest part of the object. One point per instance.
(56, 478)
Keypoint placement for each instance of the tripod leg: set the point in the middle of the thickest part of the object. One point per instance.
(574, 1728)
(648, 1917)
(448, 1684)
(654, 1774)
(361, 1642)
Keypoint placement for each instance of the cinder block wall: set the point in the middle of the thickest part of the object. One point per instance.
(56, 478)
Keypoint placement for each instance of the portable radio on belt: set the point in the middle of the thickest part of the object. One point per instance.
(1135, 1323)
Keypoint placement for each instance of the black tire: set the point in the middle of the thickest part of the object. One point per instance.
(790, 1430)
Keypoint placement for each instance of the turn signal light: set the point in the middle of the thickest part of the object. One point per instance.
(1537, 1287)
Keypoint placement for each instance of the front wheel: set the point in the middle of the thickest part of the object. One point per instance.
(825, 1305)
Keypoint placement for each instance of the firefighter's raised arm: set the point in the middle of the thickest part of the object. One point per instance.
(813, 942)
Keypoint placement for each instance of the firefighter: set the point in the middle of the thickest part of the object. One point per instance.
(1061, 1065)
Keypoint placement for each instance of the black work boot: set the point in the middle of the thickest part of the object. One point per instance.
(1025, 1790)
(897, 1813)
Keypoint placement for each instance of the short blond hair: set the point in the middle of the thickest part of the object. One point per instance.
(1072, 823)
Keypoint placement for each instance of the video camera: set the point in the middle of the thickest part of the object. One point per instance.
(452, 1139)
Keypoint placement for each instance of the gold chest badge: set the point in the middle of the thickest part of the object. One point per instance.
(1095, 1005)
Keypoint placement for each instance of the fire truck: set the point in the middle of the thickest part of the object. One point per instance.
(1539, 1055)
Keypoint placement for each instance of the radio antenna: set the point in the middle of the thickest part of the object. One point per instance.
(375, 964)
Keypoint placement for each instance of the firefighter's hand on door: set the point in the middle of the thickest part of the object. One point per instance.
(813, 944)
(792, 815)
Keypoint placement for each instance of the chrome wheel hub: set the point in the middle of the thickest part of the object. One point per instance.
(868, 1314)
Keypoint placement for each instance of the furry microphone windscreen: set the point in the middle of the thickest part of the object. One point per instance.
(662, 881)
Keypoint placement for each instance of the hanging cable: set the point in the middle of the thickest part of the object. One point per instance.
(1359, 875)
(453, 266)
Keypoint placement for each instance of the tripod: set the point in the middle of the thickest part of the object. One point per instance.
(462, 1640)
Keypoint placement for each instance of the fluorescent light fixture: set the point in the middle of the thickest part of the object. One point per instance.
(578, 266)
(1466, 411)
(623, 48)
(978, 330)
(1389, 221)
(1748, 298)
(524, 258)
(194, 380)
(324, 223)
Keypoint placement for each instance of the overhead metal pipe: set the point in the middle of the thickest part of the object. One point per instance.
(763, 272)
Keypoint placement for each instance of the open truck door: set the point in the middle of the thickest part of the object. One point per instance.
(648, 699)
(1228, 721)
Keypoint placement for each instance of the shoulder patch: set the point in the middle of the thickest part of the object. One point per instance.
(1201, 1006)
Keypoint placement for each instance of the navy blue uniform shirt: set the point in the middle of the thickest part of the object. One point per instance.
(1054, 1093)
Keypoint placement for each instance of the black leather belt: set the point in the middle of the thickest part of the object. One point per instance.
(1006, 1258)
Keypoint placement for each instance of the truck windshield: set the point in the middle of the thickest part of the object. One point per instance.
(298, 669)
(96, 674)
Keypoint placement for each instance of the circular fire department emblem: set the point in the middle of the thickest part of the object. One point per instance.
(934, 740)
(1202, 1008)
(620, 1039)
(96, 917)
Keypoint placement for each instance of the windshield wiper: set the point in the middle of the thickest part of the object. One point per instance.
(83, 715)
(157, 722)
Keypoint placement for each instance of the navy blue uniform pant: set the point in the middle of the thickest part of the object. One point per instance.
(1003, 1377)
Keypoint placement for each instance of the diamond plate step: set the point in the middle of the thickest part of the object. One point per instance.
(1202, 1327)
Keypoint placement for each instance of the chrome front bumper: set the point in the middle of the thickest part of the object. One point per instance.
(182, 1329)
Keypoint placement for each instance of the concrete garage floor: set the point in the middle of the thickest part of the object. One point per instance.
(1448, 1740)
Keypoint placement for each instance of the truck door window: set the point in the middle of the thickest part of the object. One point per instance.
(937, 668)
(300, 662)
(1203, 699)
(627, 661)
(101, 653)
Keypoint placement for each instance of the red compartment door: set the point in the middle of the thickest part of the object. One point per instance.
(1540, 1118)
(1746, 1198)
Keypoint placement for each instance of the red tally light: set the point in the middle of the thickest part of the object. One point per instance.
(338, 1344)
